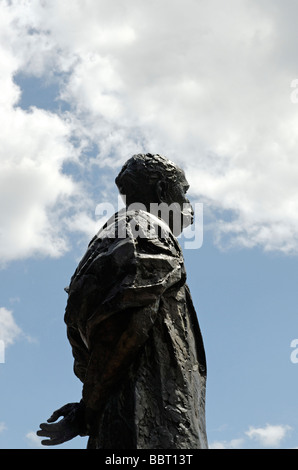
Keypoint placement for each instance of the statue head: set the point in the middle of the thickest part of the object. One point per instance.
(151, 180)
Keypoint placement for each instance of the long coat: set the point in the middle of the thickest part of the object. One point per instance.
(136, 340)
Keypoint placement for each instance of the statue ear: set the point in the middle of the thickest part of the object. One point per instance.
(162, 190)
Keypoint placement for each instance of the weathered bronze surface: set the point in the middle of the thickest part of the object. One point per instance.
(132, 326)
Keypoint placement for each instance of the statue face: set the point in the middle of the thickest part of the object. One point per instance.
(183, 212)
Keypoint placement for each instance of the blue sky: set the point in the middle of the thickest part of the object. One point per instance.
(89, 83)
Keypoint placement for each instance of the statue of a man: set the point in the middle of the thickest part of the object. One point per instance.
(131, 323)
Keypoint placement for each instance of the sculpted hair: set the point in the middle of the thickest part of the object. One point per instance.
(141, 172)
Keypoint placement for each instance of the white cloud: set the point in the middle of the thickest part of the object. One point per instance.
(33, 440)
(82, 222)
(270, 435)
(35, 194)
(31, 183)
(233, 444)
(9, 330)
(209, 89)
(2, 427)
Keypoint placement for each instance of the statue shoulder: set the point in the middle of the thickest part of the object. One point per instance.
(127, 234)
(134, 223)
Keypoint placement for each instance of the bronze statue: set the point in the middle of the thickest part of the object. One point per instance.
(131, 323)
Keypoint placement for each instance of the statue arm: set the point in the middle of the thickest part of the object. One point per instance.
(103, 375)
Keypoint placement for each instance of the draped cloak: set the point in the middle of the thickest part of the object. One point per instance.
(133, 274)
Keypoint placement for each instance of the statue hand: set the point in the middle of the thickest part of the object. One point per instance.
(72, 424)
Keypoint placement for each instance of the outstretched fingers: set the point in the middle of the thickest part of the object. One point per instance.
(56, 433)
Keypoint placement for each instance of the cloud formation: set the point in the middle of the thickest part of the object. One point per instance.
(269, 436)
(33, 440)
(9, 330)
(208, 89)
(2, 427)
(233, 444)
(34, 145)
